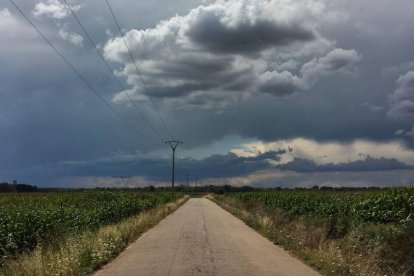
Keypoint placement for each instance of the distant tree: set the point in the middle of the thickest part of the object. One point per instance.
(19, 188)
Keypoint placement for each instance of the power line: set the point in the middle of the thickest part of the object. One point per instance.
(110, 69)
(138, 71)
(79, 74)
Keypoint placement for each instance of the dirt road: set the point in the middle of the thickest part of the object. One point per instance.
(201, 238)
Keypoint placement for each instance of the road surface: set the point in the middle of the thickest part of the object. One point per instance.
(201, 238)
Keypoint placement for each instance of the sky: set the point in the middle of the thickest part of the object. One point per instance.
(266, 93)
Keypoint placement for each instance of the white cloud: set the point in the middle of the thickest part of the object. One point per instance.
(331, 152)
(53, 8)
(72, 37)
(227, 50)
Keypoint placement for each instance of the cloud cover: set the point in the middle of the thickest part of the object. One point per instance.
(227, 50)
(402, 99)
(324, 71)
(260, 163)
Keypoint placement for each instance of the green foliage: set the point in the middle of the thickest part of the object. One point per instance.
(27, 219)
(399, 250)
(378, 206)
(348, 232)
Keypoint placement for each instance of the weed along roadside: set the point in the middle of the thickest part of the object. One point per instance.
(83, 252)
(334, 245)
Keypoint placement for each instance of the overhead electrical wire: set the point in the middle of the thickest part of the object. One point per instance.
(111, 71)
(120, 116)
(139, 72)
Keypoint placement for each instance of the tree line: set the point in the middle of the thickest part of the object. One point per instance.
(17, 188)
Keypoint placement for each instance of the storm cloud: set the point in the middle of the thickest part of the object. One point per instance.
(367, 164)
(217, 34)
(222, 166)
(284, 83)
(332, 80)
(402, 99)
(226, 50)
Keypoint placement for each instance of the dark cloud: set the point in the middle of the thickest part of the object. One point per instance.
(230, 165)
(390, 178)
(223, 166)
(334, 55)
(336, 61)
(219, 166)
(278, 84)
(368, 164)
(216, 165)
(285, 83)
(223, 47)
(402, 99)
(211, 32)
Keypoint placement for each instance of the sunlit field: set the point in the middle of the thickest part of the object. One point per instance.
(339, 232)
(29, 219)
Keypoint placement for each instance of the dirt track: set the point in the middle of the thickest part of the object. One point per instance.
(201, 238)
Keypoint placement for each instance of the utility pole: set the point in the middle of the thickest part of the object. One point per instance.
(196, 182)
(124, 183)
(173, 144)
(187, 175)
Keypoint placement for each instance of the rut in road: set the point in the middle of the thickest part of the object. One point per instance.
(201, 238)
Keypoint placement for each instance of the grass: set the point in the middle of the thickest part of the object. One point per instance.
(332, 246)
(83, 253)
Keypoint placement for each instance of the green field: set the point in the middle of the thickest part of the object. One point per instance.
(339, 232)
(376, 206)
(29, 219)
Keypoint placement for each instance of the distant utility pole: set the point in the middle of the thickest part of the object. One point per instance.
(196, 182)
(187, 175)
(173, 144)
(15, 186)
(124, 183)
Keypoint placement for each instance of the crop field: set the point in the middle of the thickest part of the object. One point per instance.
(340, 232)
(28, 219)
(376, 206)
